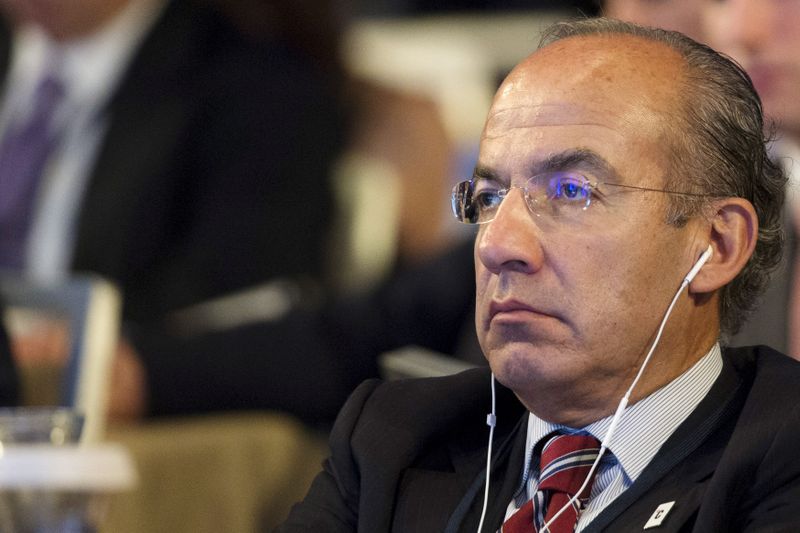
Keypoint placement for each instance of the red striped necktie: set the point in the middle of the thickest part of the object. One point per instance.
(565, 463)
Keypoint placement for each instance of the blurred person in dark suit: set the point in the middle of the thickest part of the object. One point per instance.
(184, 160)
(181, 155)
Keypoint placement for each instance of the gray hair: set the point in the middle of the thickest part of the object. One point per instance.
(718, 147)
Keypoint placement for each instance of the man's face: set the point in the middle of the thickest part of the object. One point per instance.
(567, 309)
(764, 37)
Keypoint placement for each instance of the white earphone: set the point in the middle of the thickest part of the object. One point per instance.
(704, 257)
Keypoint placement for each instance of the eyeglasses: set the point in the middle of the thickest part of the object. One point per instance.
(551, 194)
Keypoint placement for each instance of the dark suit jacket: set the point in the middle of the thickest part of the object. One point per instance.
(213, 174)
(409, 456)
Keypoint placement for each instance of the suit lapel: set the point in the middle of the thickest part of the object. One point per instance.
(506, 478)
(507, 462)
(681, 467)
(443, 490)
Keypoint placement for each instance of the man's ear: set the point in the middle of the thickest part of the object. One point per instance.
(732, 234)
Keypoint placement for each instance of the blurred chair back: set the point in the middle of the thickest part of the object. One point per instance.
(418, 362)
(87, 309)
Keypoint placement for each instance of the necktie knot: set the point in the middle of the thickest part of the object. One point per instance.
(565, 464)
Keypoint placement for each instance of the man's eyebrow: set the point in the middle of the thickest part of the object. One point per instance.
(484, 173)
(582, 158)
(576, 158)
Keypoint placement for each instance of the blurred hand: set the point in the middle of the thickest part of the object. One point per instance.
(128, 393)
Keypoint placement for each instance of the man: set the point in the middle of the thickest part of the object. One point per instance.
(649, 166)
(764, 37)
(185, 158)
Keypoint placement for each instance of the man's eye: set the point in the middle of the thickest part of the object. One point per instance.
(487, 199)
(563, 188)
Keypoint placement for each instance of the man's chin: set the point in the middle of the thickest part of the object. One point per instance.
(514, 364)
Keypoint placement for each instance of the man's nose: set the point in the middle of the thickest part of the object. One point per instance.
(512, 240)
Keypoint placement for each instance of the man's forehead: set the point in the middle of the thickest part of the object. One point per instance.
(585, 49)
(505, 118)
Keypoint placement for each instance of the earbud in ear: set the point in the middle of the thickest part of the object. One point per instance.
(699, 264)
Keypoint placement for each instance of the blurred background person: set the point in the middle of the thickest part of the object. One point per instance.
(764, 37)
(678, 15)
(161, 145)
(153, 142)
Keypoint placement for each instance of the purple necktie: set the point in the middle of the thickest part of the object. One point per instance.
(24, 151)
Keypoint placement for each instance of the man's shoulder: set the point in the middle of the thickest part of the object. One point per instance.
(385, 425)
(408, 412)
(769, 384)
(765, 367)
(762, 447)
